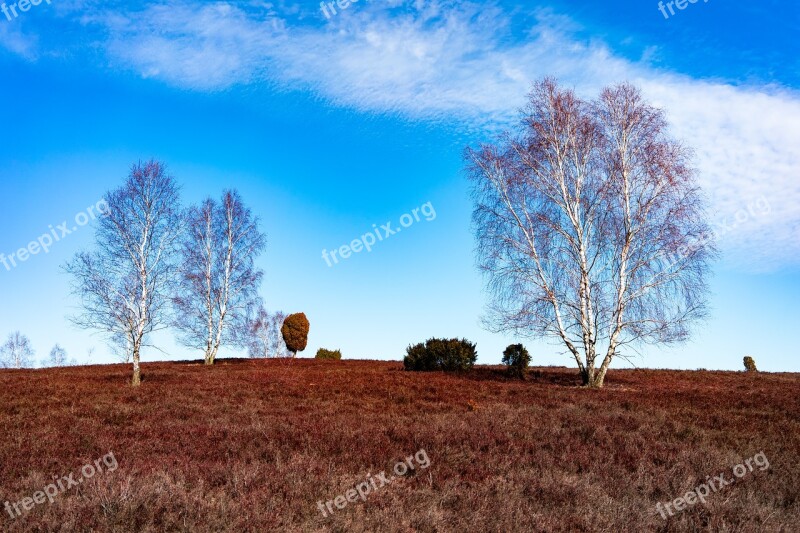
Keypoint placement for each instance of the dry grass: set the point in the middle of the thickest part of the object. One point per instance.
(253, 445)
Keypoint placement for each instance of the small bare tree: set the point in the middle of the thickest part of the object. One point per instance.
(219, 281)
(264, 335)
(58, 356)
(590, 226)
(125, 284)
(120, 345)
(16, 352)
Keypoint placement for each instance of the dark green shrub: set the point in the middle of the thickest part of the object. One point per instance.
(334, 355)
(750, 364)
(453, 355)
(517, 358)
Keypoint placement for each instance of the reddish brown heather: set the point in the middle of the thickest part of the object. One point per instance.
(252, 446)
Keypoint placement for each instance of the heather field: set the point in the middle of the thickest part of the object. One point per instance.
(262, 445)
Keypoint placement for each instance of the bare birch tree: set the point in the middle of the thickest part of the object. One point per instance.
(58, 357)
(590, 227)
(219, 281)
(125, 284)
(16, 352)
(264, 335)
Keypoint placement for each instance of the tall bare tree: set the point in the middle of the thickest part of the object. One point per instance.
(125, 284)
(16, 352)
(591, 229)
(219, 281)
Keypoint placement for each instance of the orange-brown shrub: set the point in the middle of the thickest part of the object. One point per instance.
(295, 332)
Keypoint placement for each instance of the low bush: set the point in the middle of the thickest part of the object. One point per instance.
(453, 355)
(750, 364)
(333, 355)
(517, 359)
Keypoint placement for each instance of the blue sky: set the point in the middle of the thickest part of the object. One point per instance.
(327, 127)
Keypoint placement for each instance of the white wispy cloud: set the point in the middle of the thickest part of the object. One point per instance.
(205, 47)
(17, 42)
(462, 62)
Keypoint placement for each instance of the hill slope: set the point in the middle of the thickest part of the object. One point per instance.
(255, 445)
